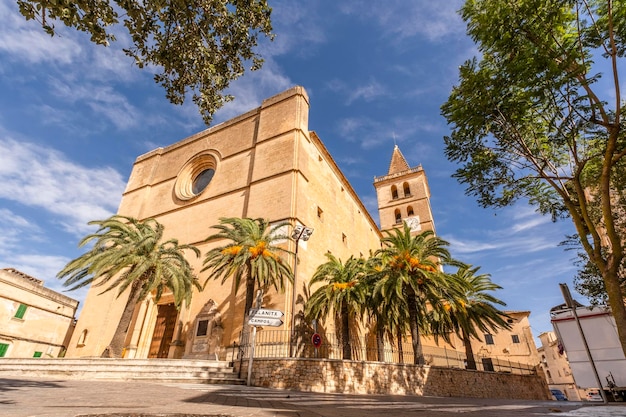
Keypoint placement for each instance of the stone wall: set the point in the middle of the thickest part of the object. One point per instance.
(336, 376)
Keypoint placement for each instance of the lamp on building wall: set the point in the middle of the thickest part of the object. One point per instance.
(299, 233)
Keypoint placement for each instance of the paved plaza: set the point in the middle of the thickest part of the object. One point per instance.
(27, 397)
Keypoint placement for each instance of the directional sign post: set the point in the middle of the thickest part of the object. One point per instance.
(265, 317)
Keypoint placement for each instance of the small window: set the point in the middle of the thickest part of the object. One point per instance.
(407, 189)
(549, 374)
(488, 364)
(320, 213)
(203, 326)
(21, 310)
(37, 355)
(344, 238)
(409, 211)
(3, 349)
(398, 216)
(515, 338)
(489, 339)
(82, 340)
(394, 192)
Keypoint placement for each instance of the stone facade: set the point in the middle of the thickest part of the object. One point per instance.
(35, 321)
(266, 164)
(335, 376)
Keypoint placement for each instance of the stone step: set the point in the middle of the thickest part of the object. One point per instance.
(161, 370)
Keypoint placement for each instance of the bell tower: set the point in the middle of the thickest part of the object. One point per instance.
(403, 195)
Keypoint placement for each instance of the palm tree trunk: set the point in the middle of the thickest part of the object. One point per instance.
(380, 341)
(345, 332)
(115, 348)
(418, 358)
(469, 352)
(249, 296)
(400, 338)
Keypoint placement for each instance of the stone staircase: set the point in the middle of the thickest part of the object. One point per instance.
(150, 370)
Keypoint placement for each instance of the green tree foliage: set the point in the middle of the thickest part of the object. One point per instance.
(197, 46)
(250, 254)
(472, 311)
(410, 273)
(588, 280)
(386, 306)
(530, 119)
(128, 254)
(343, 297)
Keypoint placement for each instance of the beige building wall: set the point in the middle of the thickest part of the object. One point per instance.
(35, 321)
(515, 345)
(267, 164)
(556, 367)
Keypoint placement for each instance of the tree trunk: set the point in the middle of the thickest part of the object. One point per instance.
(116, 345)
(469, 352)
(616, 302)
(250, 296)
(380, 341)
(400, 337)
(418, 358)
(345, 332)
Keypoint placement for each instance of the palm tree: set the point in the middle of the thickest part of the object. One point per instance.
(251, 254)
(411, 273)
(128, 254)
(473, 311)
(385, 305)
(343, 295)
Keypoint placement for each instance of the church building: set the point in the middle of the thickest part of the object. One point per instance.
(265, 163)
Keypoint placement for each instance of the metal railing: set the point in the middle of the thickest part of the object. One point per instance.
(276, 344)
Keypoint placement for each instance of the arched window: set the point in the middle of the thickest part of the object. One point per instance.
(398, 216)
(407, 189)
(409, 211)
(394, 192)
(82, 340)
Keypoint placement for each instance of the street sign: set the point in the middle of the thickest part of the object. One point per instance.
(265, 321)
(263, 312)
(265, 317)
(316, 339)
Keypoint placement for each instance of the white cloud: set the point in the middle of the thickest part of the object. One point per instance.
(368, 92)
(14, 230)
(249, 91)
(103, 100)
(400, 20)
(25, 40)
(36, 176)
(298, 27)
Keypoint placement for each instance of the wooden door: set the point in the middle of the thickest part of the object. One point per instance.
(163, 331)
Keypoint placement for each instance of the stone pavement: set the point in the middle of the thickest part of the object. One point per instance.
(27, 397)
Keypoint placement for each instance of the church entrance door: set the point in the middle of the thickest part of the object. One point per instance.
(163, 331)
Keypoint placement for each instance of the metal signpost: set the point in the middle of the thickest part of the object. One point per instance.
(261, 317)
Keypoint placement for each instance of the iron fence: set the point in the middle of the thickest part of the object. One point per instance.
(284, 344)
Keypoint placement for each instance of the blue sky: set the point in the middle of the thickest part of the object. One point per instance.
(74, 116)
